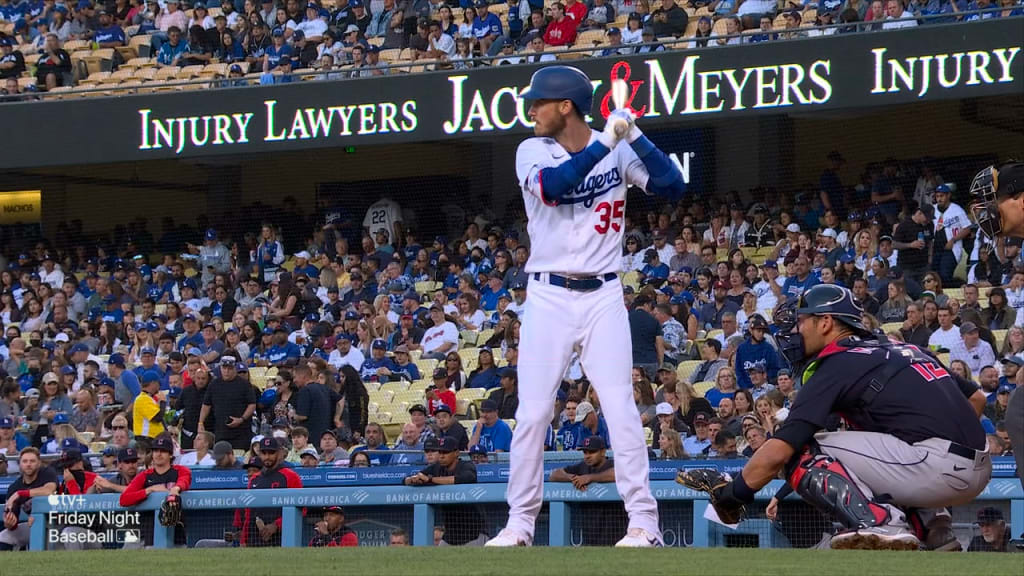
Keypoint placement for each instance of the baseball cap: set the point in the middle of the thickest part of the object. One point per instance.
(352, 315)
(663, 409)
(62, 337)
(147, 351)
(277, 33)
(162, 443)
(334, 510)
(492, 406)
(253, 462)
(1006, 389)
(211, 234)
(699, 418)
(593, 444)
(756, 368)
(128, 454)
(968, 328)
(721, 284)
(6, 422)
(401, 349)
(313, 317)
(379, 344)
(447, 444)
(614, 32)
(583, 409)
(222, 449)
(509, 372)
(829, 233)
(418, 408)
(478, 449)
(1016, 360)
(784, 372)
(440, 373)
(989, 515)
(60, 418)
(270, 444)
(65, 370)
(943, 189)
(351, 28)
(228, 360)
(149, 376)
(79, 348)
(443, 408)
(793, 227)
(70, 456)
(309, 451)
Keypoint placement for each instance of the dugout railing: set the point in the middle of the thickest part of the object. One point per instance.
(562, 502)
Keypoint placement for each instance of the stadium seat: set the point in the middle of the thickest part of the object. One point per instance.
(396, 387)
(99, 60)
(419, 385)
(719, 30)
(122, 74)
(470, 357)
(809, 17)
(714, 333)
(389, 55)
(1000, 336)
(648, 436)
(76, 45)
(27, 82)
(382, 397)
(400, 417)
(511, 422)
(391, 430)
(468, 338)
(164, 74)
(892, 327)
(189, 72)
(957, 293)
(427, 286)
(146, 74)
(211, 70)
(944, 358)
(426, 365)
(589, 38)
(409, 396)
(484, 336)
(372, 386)
(94, 78)
(702, 387)
(372, 409)
(686, 368)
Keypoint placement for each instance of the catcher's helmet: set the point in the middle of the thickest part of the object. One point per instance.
(561, 83)
(989, 187)
(835, 301)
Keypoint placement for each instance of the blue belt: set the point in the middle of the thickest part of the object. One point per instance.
(578, 283)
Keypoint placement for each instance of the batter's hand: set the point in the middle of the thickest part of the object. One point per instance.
(612, 132)
(625, 115)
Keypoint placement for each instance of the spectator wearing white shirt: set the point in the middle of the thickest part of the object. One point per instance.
(313, 26)
(896, 17)
(973, 351)
(633, 33)
(442, 46)
(441, 337)
(536, 53)
(201, 456)
(51, 273)
(947, 336)
(201, 17)
(345, 354)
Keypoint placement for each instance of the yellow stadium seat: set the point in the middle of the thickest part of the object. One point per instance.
(944, 358)
(511, 423)
(400, 417)
(686, 368)
(169, 73)
(468, 337)
(892, 327)
(702, 387)
(390, 55)
(590, 38)
(470, 357)
(396, 387)
(372, 409)
(648, 436)
(714, 334)
(372, 386)
(484, 336)
(462, 406)
(957, 293)
(391, 431)
(382, 397)
(189, 72)
(409, 396)
(1000, 336)
(415, 355)
(426, 366)
(419, 385)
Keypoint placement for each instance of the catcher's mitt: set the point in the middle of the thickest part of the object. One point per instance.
(718, 488)
(170, 511)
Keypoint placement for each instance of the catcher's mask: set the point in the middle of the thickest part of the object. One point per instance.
(988, 187)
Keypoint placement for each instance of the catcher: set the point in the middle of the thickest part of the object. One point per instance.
(914, 444)
(162, 476)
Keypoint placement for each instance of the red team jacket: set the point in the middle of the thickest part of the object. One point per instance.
(245, 520)
(135, 492)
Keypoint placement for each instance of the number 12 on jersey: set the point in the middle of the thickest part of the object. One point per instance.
(611, 215)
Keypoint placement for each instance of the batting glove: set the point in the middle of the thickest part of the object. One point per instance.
(625, 114)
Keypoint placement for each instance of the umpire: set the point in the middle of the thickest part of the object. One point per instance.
(914, 438)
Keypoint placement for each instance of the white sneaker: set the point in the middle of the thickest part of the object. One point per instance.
(639, 538)
(509, 539)
(888, 537)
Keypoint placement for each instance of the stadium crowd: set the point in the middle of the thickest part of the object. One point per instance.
(358, 38)
(348, 342)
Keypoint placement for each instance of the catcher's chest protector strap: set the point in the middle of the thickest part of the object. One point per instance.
(826, 485)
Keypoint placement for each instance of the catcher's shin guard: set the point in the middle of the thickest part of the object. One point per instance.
(826, 485)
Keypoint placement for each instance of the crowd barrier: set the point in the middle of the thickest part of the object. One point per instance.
(566, 510)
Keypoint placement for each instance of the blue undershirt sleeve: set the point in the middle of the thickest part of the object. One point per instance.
(665, 179)
(557, 181)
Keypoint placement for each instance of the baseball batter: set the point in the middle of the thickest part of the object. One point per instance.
(574, 182)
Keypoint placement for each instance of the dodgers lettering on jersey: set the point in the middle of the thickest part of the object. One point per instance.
(582, 233)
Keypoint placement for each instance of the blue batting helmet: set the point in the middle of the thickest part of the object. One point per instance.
(835, 301)
(561, 83)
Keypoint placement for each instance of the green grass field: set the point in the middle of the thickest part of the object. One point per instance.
(532, 561)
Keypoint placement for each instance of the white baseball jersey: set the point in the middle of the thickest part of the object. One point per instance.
(582, 234)
(383, 214)
(954, 219)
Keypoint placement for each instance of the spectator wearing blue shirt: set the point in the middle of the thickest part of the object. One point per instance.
(126, 382)
(172, 51)
(701, 439)
(210, 346)
(755, 351)
(7, 423)
(653, 266)
(494, 290)
(403, 368)
(486, 373)
(486, 27)
(371, 370)
(801, 280)
(765, 34)
(711, 313)
(147, 363)
(283, 352)
(490, 432)
(109, 34)
(590, 424)
(278, 50)
(1011, 364)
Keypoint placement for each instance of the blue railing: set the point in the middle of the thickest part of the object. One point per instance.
(561, 499)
